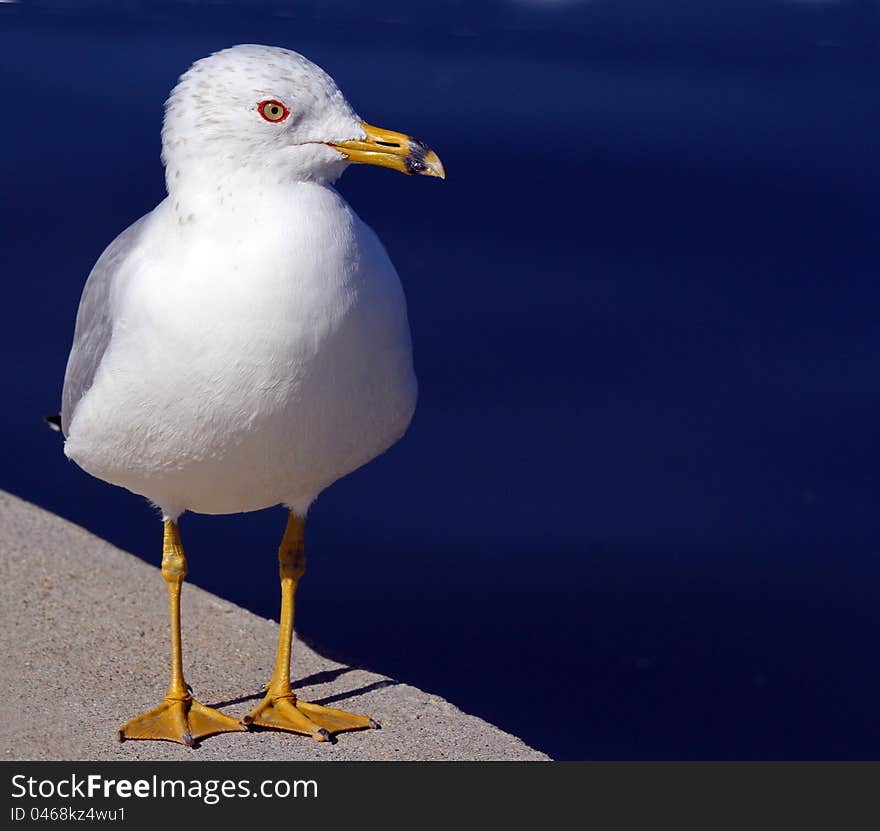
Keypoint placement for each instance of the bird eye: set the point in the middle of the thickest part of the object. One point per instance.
(273, 110)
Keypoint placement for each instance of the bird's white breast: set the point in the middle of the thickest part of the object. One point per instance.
(260, 351)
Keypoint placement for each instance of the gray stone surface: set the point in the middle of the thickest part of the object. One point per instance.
(84, 647)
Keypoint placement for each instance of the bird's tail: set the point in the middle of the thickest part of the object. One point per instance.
(53, 421)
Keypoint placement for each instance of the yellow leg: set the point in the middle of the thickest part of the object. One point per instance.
(179, 718)
(281, 709)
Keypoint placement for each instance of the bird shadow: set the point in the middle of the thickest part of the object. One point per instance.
(219, 705)
(376, 685)
(323, 677)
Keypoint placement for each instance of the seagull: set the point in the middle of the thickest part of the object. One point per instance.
(245, 344)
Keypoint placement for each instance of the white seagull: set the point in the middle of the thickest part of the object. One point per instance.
(245, 344)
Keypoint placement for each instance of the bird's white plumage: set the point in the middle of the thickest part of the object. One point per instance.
(246, 343)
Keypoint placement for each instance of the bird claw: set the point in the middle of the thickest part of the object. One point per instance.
(294, 716)
(181, 720)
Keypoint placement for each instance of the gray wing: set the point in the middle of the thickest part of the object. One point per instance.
(94, 321)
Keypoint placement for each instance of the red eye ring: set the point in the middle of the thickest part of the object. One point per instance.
(272, 111)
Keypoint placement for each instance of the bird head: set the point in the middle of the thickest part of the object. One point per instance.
(274, 111)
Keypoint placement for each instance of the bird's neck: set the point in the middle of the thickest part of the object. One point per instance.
(246, 194)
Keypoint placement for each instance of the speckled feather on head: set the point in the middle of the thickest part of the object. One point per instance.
(210, 129)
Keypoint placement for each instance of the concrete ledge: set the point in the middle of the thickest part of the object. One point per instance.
(84, 647)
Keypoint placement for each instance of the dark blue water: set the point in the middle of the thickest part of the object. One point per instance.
(636, 515)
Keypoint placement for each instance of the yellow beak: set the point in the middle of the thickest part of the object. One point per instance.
(398, 151)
